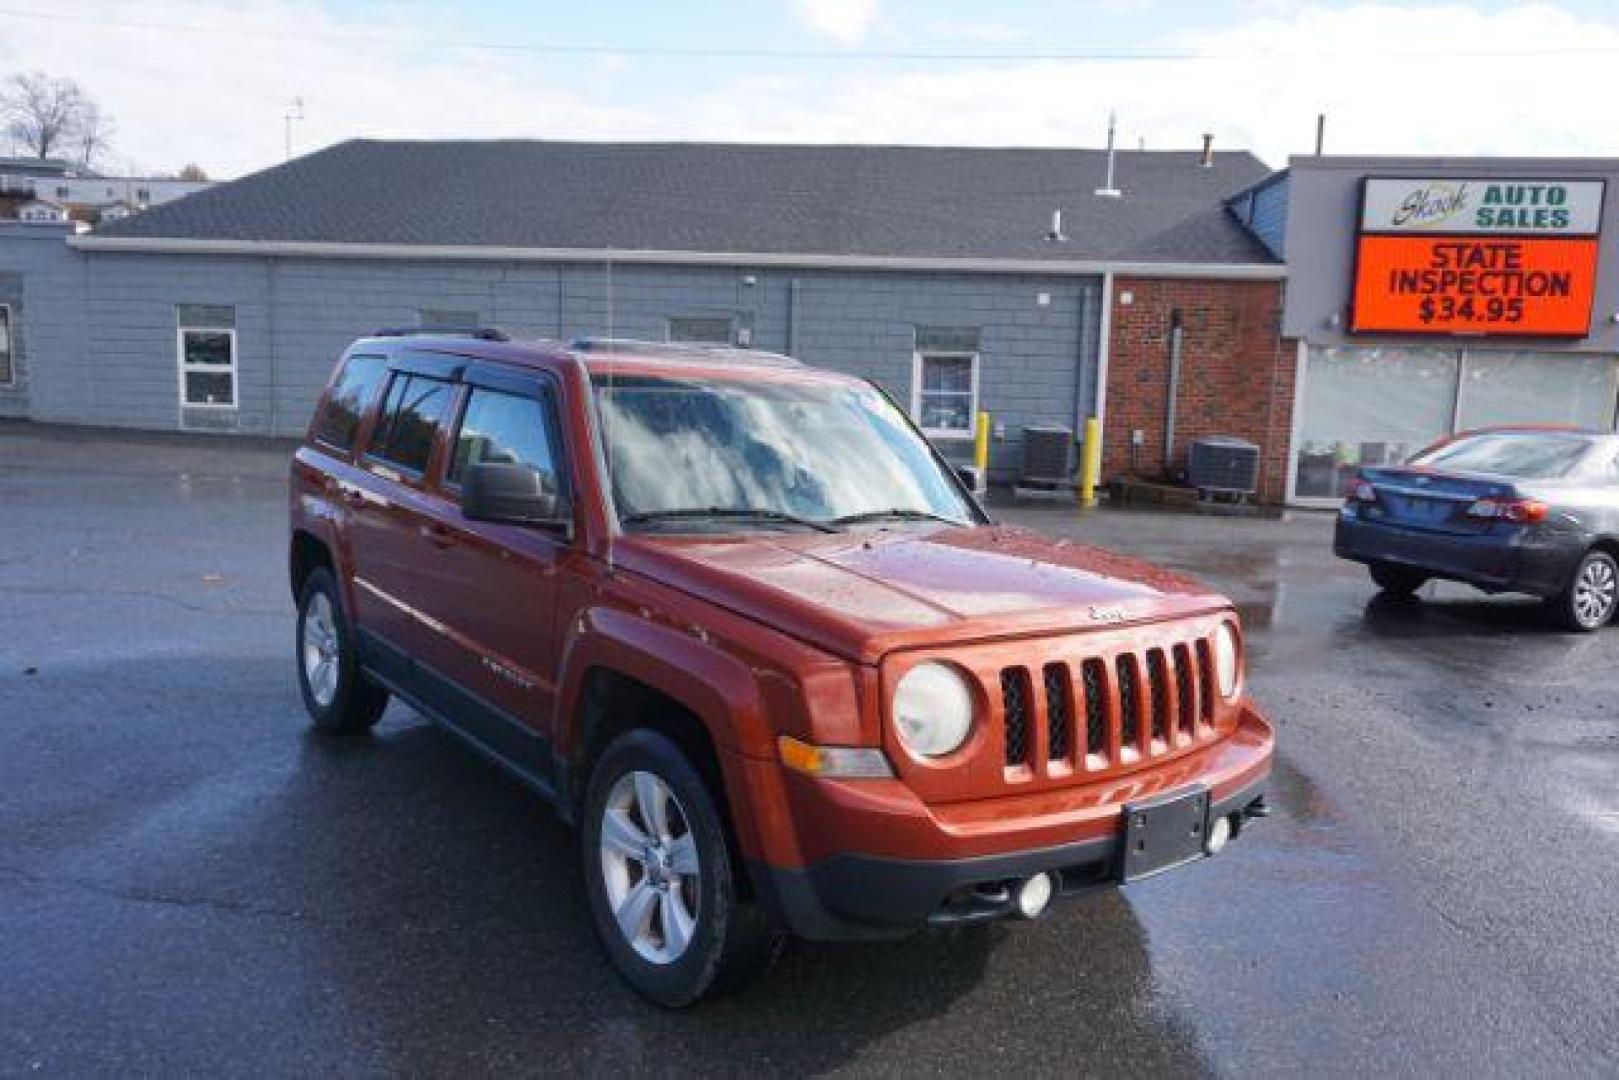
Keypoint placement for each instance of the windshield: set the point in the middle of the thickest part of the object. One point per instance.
(1530, 455)
(792, 452)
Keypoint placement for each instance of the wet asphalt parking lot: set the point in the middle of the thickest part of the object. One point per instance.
(190, 882)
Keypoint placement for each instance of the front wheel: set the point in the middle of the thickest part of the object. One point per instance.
(1589, 601)
(658, 872)
(1398, 580)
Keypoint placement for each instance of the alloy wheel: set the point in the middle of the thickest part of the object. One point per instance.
(320, 650)
(1595, 591)
(650, 867)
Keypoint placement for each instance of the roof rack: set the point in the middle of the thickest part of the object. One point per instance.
(482, 333)
(683, 350)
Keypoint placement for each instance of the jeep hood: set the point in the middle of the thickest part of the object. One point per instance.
(862, 594)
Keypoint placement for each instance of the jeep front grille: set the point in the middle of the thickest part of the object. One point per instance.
(1099, 713)
(1058, 715)
(1015, 705)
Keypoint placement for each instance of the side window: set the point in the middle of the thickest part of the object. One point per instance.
(944, 381)
(351, 393)
(447, 318)
(410, 416)
(700, 330)
(503, 428)
(206, 335)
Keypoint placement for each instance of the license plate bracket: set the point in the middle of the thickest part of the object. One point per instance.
(1163, 832)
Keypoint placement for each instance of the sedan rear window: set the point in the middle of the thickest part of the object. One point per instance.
(1529, 455)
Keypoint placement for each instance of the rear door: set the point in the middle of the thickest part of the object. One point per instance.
(491, 589)
(387, 511)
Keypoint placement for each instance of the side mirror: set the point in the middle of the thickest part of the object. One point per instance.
(971, 477)
(513, 494)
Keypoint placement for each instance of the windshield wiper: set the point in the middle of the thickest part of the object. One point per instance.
(736, 513)
(898, 513)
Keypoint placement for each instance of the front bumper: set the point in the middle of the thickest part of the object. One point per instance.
(867, 898)
(874, 862)
(1523, 560)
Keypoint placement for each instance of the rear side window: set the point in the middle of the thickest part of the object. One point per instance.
(340, 416)
(410, 416)
(506, 428)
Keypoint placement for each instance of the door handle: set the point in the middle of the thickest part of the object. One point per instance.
(438, 536)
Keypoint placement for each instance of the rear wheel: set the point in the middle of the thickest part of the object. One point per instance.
(337, 695)
(658, 872)
(1589, 601)
(1399, 580)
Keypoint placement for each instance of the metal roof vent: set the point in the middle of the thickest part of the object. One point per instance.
(1107, 190)
(1205, 160)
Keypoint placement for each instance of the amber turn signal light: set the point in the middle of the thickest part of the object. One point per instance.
(842, 762)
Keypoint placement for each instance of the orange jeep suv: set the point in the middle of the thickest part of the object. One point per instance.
(739, 621)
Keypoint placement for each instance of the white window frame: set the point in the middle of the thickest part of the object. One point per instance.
(10, 314)
(918, 359)
(181, 367)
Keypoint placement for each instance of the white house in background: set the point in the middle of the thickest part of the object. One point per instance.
(42, 212)
(87, 195)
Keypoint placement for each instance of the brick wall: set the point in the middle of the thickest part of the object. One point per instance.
(1236, 374)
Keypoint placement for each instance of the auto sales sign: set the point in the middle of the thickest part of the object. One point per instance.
(1477, 256)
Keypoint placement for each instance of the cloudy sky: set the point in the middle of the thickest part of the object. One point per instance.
(211, 82)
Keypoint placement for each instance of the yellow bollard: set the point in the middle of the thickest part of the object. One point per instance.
(1090, 462)
(981, 445)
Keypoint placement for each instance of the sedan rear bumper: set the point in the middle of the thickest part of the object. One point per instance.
(1523, 560)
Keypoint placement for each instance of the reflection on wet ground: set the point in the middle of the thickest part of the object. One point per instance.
(189, 883)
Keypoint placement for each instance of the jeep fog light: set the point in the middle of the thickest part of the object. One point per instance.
(933, 709)
(1033, 896)
(1225, 659)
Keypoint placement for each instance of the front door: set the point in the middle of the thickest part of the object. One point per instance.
(491, 588)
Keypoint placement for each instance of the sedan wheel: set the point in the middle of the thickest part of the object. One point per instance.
(1589, 602)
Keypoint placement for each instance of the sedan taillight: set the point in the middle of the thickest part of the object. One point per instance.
(1516, 511)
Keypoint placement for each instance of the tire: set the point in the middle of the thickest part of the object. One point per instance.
(339, 698)
(1592, 594)
(1399, 580)
(684, 931)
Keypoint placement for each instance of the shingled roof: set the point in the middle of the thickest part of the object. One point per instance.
(879, 201)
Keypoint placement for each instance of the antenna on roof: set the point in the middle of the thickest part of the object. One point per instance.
(1107, 190)
(294, 112)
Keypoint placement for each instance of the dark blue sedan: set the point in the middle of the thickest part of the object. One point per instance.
(1525, 509)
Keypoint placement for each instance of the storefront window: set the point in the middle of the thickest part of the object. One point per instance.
(1518, 387)
(1370, 406)
(1379, 405)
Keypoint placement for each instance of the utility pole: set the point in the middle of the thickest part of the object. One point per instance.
(296, 112)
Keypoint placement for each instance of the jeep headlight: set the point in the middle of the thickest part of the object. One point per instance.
(1226, 664)
(933, 709)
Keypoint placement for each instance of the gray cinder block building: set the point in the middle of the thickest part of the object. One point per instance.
(960, 279)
